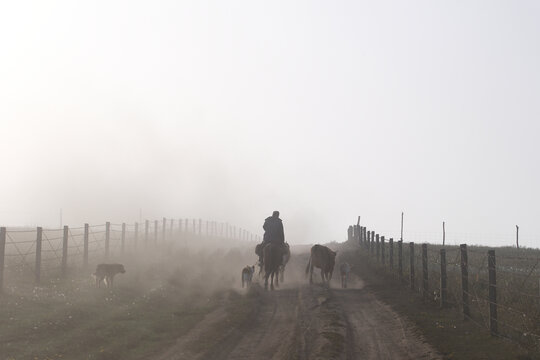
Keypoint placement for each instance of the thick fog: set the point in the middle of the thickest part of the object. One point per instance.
(122, 110)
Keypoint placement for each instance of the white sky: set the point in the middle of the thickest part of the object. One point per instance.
(227, 110)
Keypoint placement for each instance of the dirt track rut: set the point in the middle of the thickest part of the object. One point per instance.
(305, 323)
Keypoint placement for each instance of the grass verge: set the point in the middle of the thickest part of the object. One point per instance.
(442, 328)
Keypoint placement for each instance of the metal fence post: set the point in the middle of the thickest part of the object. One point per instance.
(107, 238)
(37, 270)
(85, 244)
(492, 293)
(123, 241)
(65, 250)
(465, 281)
(146, 230)
(135, 235)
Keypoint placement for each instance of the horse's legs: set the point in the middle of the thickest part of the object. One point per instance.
(277, 278)
(282, 273)
(311, 273)
(272, 281)
(266, 281)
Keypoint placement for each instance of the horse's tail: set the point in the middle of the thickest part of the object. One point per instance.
(308, 265)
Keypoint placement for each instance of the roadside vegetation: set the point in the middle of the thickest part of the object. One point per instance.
(445, 329)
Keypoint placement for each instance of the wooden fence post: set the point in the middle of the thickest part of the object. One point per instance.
(107, 238)
(85, 245)
(465, 281)
(366, 238)
(146, 230)
(156, 225)
(411, 263)
(349, 233)
(164, 235)
(400, 259)
(135, 235)
(382, 251)
(391, 253)
(37, 267)
(123, 243)
(425, 286)
(444, 290)
(171, 232)
(492, 293)
(65, 250)
(377, 247)
(200, 227)
(368, 241)
(2, 256)
(207, 231)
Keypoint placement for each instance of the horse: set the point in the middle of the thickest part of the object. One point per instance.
(272, 258)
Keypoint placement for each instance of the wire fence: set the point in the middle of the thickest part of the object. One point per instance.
(52, 253)
(496, 289)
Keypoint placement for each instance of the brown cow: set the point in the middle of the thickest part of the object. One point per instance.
(323, 258)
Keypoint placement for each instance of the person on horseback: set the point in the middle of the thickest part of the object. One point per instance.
(273, 229)
(273, 233)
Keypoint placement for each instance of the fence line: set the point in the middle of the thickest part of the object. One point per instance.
(496, 289)
(42, 251)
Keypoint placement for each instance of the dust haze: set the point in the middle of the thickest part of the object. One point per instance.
(229, 111)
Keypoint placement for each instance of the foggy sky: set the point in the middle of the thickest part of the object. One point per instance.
(228, 110)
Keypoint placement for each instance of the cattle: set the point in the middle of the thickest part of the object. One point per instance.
(344, 270)
(323, 258)
(247, 275)
(272, 258)
(106, 272)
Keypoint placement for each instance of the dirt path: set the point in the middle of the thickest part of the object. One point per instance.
(303, 322)
(375, 331)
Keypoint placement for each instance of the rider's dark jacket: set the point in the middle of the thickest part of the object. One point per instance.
(273, 230)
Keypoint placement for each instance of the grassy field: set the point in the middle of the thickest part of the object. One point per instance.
(159, 299)
(444, 328)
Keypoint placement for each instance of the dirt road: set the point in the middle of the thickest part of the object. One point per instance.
(302, 322)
